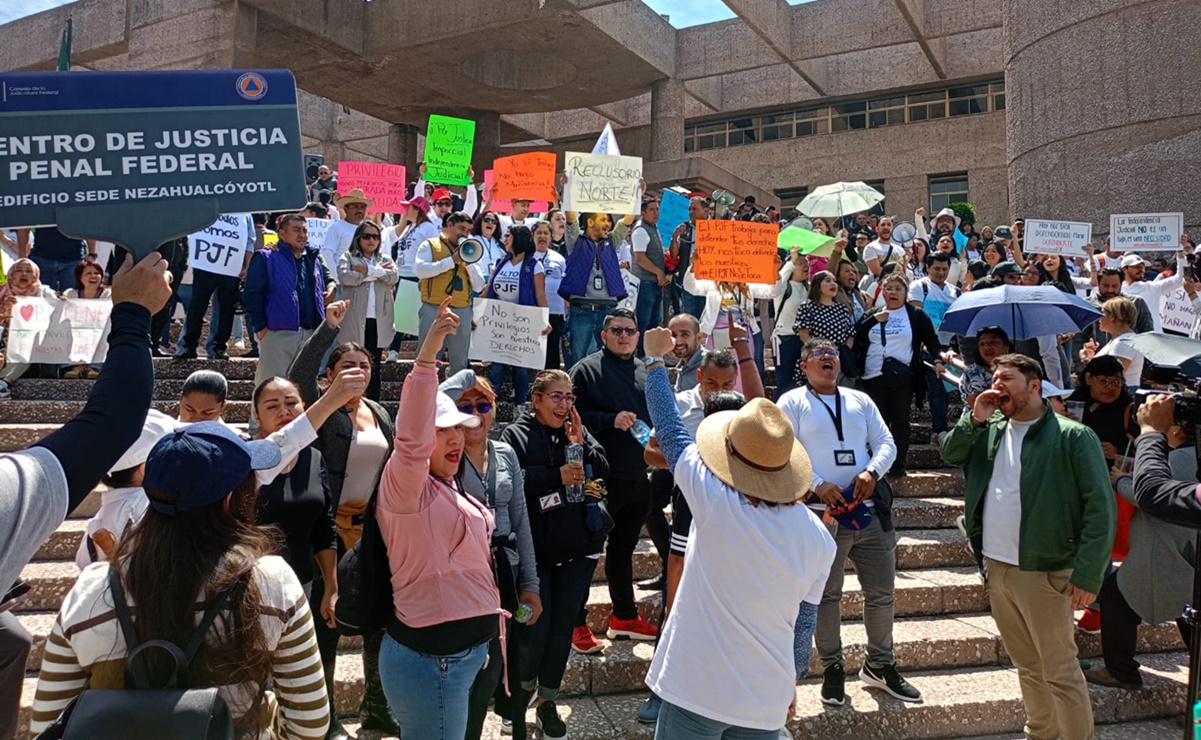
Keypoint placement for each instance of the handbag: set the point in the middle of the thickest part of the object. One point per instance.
(171, 712)
(365, 581)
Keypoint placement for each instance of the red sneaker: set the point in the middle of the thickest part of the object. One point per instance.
(1090, 621)
(583, 641)
(635, 629)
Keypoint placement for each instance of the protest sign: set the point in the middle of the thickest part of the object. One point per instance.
(317, 230)
(673, 211)
(448, 144)
(221, 248)
(736, 252)
(137, 158)
(1176, 312)
(501, 205)
(525, 176)
(509, 333)
(1132, 232)
(1068, 238)
(805, 241)
(59, 331)
(406, 308)
(603, 183)
(380, 182)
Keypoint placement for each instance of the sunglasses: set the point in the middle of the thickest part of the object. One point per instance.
(444, 202)
(618, 331)
(482, 408)
(373, 237)
(558, 398)
(491, 221)
(819, 354)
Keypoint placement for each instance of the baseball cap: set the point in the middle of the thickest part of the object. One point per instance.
(442, 194)
(1050, 390)
(853, 515)
(200, 464)
(1002, 232)
(419, 202)
(448, 415)
(1133, 260)
(1006, 268)
(157, 426)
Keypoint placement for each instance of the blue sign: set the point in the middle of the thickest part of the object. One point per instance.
(91, 150)
(673, 211)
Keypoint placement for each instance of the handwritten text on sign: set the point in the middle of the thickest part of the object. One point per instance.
(525, 176)
(736, 251)
(57, 332)
(603, 183)
(502, 205)
(1131, 232)
(448, 144)
(1176, 312)
(380, 182)
(317, 230)
(221, 248)
(508, 333)
(1057, 237)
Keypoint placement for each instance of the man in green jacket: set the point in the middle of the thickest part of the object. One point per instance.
(1039, 493)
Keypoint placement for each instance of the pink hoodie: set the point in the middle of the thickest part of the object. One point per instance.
(438, 540)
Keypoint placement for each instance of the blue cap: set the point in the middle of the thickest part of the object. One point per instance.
(853, 515)
(201, 464)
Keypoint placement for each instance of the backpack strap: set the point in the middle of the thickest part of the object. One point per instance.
(134, 663)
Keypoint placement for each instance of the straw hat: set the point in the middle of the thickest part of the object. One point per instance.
(754, 451)
(354, 196)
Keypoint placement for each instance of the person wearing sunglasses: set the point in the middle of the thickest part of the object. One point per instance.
(490, 471)
(487, 227)
(565, 549)
(367, 277)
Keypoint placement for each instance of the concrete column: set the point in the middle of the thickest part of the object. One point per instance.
(402, 148)
(206, 34)
(667, 120)
(487, 142)
(1118, 134)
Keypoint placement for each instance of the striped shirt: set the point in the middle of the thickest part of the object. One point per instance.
(87, 649)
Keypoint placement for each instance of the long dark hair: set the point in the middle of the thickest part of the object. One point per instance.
(356, 248)
(815, 285)
(169, 564)
(477, 226)
(341, 351)
(523, 241)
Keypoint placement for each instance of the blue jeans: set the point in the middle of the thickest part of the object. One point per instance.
(787, 359)
(648, 307)
(521, 380)
(585, 331)
(692, 304)
(757, 342)
(58, 275)
(680, 724)
(428, 693)
(936, 395)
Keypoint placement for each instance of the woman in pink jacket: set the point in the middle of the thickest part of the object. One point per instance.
(445, 601)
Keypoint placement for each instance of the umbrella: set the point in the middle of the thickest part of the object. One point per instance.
(805, 241)
(1168, 350)
(1023, 311)
(840, 199)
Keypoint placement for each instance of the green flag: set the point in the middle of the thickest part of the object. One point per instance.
(805, 241)
(64, 49)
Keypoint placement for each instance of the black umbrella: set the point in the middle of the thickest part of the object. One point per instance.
(1169, 350)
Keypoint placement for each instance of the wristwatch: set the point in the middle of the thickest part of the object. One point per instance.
(652, 360)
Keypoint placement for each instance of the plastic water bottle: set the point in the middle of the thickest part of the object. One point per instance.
(641, 431)
(575, 456)
(523, 613)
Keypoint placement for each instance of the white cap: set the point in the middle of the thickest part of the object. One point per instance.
(1132, 260)
(1050, 390)
(448, 415)
(157, 426)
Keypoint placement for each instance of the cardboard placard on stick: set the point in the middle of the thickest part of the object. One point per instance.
(1067, 238)
(221, 248)
(528, 176)
(736, 251)
(1131, 232)
(381, 182)
(448, 145)
(603, 183)
(74, 330)
(318, 227)
(509, 333)
(501, 205)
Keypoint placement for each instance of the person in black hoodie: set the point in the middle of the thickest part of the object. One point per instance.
(567, 541)
(609, 388)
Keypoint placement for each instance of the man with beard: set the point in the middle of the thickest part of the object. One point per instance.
(1152, 292)
(592, 282)
(879, 253)
(688, 349)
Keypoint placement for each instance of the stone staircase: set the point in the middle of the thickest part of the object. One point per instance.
(945, 640)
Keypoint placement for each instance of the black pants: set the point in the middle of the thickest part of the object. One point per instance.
(371, 342)
(662, 484)
(204, 284)
(177, 267)
(553, 359)
(1119, 631)
(374, 704)
(488, 684)
(546, 646)
(15, 642)
(893, 395)
(629, 500)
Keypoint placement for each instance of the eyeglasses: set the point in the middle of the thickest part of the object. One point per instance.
(557, 398)
(373, 237)
(482, 408)
(819, 354)
(618, 331)
(1109, 382)
(490, 221)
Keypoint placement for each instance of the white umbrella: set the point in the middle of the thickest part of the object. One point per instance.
(840, 199)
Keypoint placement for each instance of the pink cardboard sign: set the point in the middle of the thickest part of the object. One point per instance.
(380, 182)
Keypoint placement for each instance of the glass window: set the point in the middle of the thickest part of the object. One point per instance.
(689, 144)
(969, 106)
(779, 131)
(918, 113)
(947, 189)
(849, 107)
(886, 103)
(806, 128)
(938, 110)
(967, 92)
(998, 102)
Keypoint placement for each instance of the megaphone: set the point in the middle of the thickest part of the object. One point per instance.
(903, 233)
(801, 222)
(724, 197)
(471, 249)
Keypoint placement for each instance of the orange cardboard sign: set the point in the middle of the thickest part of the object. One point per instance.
(525, 176)
(736, 252)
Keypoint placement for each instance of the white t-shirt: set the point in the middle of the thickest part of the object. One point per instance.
(899, 334)
(1003, 497)
(1134, 373)
(337, 241)
(506, 222)
(555, 267)
(507, 283)
(407, 243)
(1153, 291)
(877, 249)
(120, 509)
(742, 613)
(934, 301)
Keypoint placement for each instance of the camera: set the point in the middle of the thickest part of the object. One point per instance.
(1184, 390)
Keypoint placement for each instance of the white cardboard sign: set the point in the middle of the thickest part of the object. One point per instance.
(509, 333)
(59, 331)
(1132, 232)
(1067, 238)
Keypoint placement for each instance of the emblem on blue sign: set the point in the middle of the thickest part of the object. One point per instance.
(252, 86)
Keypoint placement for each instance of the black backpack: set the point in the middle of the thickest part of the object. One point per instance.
(365, 581)
(171, 712)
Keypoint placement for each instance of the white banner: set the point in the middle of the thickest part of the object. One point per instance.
(508, 333)
(317, 229)
(73, 330)
(1176, 312)
(1068, 238)
(221, 248)
(1131, 232)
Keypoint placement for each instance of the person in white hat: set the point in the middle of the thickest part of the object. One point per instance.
(753, 558)
(354, 207)
(1134, 269)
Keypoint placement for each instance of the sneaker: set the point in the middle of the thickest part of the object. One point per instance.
(887, 678)
(834, 682)
(392, 356)
(547, 716)
(218, 355)
(239, 344)
(961, 522)
(658, 583)
(506, 727)
(1090, 622)
(635, 629)
(254, 352)
(648, 714)
(1102, 677)
(584, 642)
(186, 355)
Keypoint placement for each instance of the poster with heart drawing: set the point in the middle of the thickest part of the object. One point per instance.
(59, 331)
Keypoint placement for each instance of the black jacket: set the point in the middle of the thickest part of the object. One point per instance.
(1156, 492)
(923, 336)
(605, 385)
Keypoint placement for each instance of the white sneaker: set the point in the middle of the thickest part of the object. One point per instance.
(240, 344)
(392, 356)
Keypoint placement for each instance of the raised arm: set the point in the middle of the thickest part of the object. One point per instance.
(673, 436)
(306, 369)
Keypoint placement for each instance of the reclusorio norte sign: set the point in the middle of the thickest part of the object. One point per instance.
(141, 157)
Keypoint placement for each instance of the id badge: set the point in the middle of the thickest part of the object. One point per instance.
(598, 282)
(844, 457)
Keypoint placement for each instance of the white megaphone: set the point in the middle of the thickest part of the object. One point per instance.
(470, 249)
(903, 233)
(802, 222)
(724, 197)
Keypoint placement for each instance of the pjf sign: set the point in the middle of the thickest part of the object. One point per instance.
(509, 333)
(1067, 238)
(60, 331)
(221, 248)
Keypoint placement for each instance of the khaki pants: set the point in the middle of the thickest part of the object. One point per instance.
(1034, 616)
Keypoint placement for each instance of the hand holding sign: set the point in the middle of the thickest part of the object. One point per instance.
(147, 284)
(448, 145)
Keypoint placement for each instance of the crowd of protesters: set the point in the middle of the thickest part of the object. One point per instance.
(463, 552)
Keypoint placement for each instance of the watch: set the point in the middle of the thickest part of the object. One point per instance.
(652, 360)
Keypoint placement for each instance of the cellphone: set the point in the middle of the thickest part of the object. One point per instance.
(15, 595)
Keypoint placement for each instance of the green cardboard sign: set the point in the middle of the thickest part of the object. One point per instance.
(448, 145)
(805, 241)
